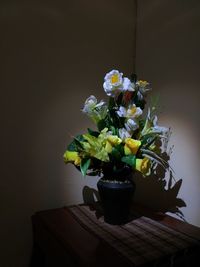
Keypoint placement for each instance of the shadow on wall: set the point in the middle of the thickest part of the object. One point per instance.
(159, 194)
(156, 192)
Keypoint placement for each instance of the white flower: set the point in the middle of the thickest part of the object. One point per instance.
(122, 112)
(128, 85)
(143, 87)
(131, 112)
(96, 111)
(114, 78)
(123, 133)
(134, 112)
(131, 125)
(90, 104)
(158, 129)
(114, 83)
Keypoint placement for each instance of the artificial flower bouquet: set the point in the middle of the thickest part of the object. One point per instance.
(125, 139)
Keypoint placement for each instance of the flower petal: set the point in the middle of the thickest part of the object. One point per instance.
(143, 165)
(131, 146)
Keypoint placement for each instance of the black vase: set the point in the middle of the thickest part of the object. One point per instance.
(116, 199)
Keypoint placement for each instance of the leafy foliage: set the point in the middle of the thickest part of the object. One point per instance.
(130, 160)
(85, 163)
(76, 145)
(123, 139)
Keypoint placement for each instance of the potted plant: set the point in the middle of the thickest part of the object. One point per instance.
(124, 142)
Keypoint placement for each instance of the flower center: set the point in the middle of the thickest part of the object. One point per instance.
(132, 111)
(114, 78)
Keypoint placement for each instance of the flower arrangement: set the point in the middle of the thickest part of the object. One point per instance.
(125, 139)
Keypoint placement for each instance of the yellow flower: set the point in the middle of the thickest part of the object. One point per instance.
(143, 165)
(72, 156)
(95, 146)
(142, 83)
(111, 141)
(131, 146)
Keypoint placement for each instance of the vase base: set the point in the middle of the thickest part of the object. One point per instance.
(116, 198)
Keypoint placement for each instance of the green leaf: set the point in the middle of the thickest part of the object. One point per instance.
(120, 148)
(117, 131)
(101, 124)
(85, 163)
(92, 140)
(111, 103)
(115, 120)
(78, 144)
(93, 133)
(72, 147)
(113, 130)
(79, 137)
(141, 123)
(130, 160)
(116, 155)
(148, 139)
(75, 145)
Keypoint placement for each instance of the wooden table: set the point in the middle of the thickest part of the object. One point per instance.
(59, 240)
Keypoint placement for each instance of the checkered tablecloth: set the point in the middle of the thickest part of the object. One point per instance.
(143, 241)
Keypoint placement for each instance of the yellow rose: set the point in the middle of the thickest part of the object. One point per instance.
(131, 146)
(72, 156)
(111, 141)
(143, 165)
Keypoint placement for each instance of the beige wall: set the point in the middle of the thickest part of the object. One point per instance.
(167, 54)
(53, 55)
